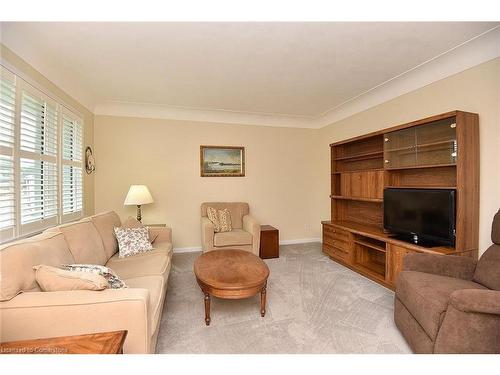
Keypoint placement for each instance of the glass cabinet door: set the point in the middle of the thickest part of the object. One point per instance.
(437, 143)
(399, 149)
(400, 158)
(399, 139)
(425, 145)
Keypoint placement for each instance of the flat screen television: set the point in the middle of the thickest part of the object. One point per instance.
(422, 216)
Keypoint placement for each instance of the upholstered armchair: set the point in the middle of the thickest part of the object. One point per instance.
(451, 304)
(245, 234)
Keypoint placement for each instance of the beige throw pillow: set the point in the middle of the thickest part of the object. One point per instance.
(132, 222)
(221, 219)
(214, 218)
(53, 279)
(225, 220)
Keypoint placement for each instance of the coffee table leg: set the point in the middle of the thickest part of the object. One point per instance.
(207, 309)
(263, 302)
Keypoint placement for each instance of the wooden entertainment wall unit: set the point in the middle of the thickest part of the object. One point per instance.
(439, 152)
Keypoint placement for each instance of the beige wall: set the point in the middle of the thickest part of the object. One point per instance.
(474, 90)
(287, 182)
(88, 117)
(165, 156)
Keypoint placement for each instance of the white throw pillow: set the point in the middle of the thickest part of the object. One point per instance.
(114, 282)
(132, 241)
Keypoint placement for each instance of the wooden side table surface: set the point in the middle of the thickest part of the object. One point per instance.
(231, 274)
(269, 242)
(94, 343)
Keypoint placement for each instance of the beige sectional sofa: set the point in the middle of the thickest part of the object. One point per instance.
(26, 312)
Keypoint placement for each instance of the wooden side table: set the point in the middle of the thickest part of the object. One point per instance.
(94, 343)
(269, 242)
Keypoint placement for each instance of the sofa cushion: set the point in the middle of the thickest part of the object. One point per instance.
(17, 260)
(426, 296)
(487, 271)
(54, 279)
(237, 210)
(156, 287)
(84, 242)
(232, 238)
(104, 223)
(154, 262)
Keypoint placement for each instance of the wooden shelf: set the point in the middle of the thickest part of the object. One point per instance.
(366, 155)
(359, 174)
(370, 245)
(375, 269)
(421, 166)
(359, 171)
(378, 233)
(421, 187)
(429, 144)
(375, 200)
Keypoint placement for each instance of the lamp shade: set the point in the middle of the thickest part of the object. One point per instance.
(137, 195)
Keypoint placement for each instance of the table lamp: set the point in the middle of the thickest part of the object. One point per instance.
(138, 195)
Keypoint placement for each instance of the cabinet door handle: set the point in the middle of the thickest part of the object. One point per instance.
(386, 161)
(386, 139)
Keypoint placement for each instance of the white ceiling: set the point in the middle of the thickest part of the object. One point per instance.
(301, 70)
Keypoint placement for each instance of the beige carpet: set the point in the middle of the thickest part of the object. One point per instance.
(314, 306)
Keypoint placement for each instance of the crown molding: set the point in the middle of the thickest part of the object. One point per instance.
(476, 51)
(158, 111)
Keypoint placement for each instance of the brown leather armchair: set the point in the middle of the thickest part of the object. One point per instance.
(451, 304)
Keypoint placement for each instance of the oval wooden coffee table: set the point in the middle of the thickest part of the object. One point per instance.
(231, 274)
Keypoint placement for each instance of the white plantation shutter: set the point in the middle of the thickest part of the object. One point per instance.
(38, 161)
(41, 159)
(7, 145)
(72, 166)
(38, 125)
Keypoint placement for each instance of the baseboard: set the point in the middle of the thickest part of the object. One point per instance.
(285, 242)
(187, 249)
(302, 240)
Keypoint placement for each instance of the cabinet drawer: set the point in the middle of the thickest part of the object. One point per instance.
(342, 243)
(335, 252)
(335, 233)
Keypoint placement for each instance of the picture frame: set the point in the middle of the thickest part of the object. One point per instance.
(222, 161)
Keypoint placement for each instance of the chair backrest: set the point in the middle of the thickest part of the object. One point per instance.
(488, 267)
(237, 210)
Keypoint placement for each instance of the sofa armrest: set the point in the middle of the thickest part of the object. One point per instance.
(476, 301)
(207, 233)
(32, 315)
(444, 265)
(251, 225)
(163, 234)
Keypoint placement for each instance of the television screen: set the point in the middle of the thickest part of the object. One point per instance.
(426, 213)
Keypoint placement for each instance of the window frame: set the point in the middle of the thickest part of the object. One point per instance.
(23, 83)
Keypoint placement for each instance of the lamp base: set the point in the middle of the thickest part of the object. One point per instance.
(139, 216)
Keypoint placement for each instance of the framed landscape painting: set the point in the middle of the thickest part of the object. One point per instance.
(222, 161)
